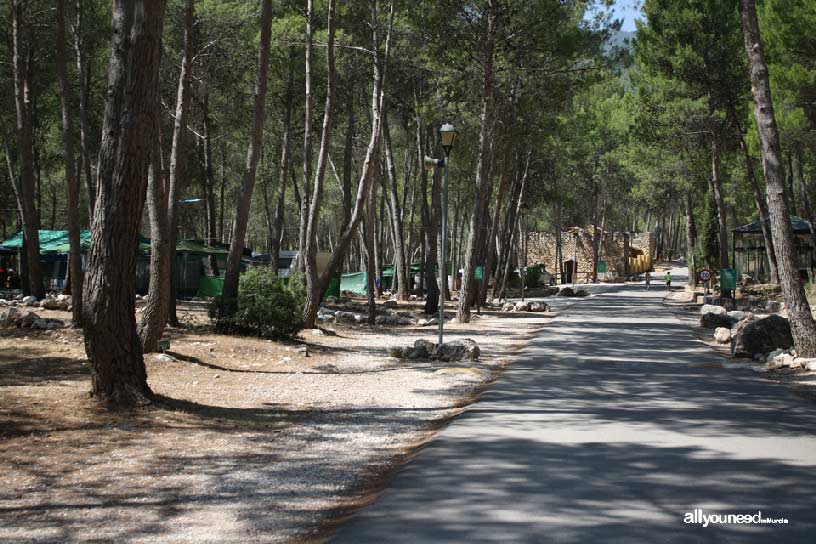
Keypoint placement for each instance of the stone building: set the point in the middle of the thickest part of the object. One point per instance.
(624, 253)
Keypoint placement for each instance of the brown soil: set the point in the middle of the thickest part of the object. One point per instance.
(249, 440)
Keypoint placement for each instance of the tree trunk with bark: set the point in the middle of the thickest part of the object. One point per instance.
(395, 210)
(719, 198)
(691, 239)
(154, 315)
(802, 323)
(762, 210)
(314, 292)
(25, 152)
(482, 168)
(131, 114)
(71, 181)
(84, 76)
(239, 228)
(179, 128)
(209, 183)
(371, 268)
(380, 63)
(280, 199)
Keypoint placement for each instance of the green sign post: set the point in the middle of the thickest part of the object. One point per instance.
(601, 267)
(728, 279)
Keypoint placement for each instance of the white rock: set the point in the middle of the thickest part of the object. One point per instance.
(809, 364)
(711, 309)
(774, 354)
(795, 364)
(722, 335)
(783, 361)
(29, 300)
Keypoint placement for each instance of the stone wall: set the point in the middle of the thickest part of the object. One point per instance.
(615, 250)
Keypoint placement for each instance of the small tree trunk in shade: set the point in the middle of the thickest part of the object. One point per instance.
(71, 181)
(25, 151)
(239, 228)
(791, 185)
(155, 311)
(132, 107)
(802, 323)
(516, 212)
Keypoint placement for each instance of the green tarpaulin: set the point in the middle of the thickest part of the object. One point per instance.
(57, 242)
(209, 286)
(354, 282)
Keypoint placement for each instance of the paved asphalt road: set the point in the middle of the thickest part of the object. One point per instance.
(610, 426)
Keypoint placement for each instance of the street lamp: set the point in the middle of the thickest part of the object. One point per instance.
(447, 137)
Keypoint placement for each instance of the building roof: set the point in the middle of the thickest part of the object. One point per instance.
(800, 226)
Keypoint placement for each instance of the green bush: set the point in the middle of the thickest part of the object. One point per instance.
(265, 307)
(533, 275)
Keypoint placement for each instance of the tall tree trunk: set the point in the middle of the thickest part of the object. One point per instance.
(155, 312)
(371, 254)
(482, 168)
(790, 188)
(25, 151)
(762, 209)
(802, 323)
(131, 114)
(719, 198)
(691, 239)
(283, 171)
(506, 245)
(177, 149)
(369, 164)
(209, 182)
(239, 228)
(307, 142)
(84, 76)
(71, 181)
(515, 213)
(314, 293)
(806, 206)
(400, 266)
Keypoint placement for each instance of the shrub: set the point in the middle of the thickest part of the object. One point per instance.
(533, 275)
(265, 307)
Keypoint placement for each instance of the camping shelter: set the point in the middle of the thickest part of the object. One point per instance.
(751, 259)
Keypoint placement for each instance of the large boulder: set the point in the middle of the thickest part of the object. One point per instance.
(752, 336)
(457, 350)
(536, 306)
(581, 293)
(737, 315)
(422, 350)
(393, 320)
(712, 309)
(522, 306)
(566, 292)
(714, 321)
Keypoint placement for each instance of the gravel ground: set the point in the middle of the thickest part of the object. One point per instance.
(251, 441)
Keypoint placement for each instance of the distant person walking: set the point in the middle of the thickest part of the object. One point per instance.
(648, 280)
(668, 281)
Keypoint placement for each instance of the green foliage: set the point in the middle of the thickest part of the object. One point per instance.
(533, 276)
(265, 307)
(709, 242)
